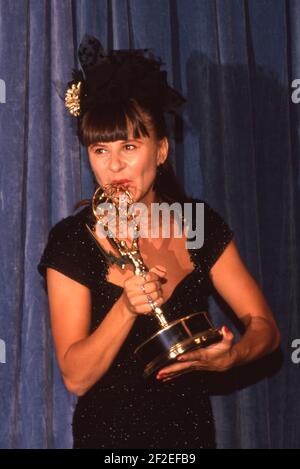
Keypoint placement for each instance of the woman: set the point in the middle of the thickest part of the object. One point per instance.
(100, 313)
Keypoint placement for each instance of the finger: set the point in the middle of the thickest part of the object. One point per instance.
(228, 336)
(157, 273)
(138, 300)
(198, 366)
(134, 281)
(158, 302)
(153, 295)
(142, 299)
(150, 287)
(159, 270)
(137, 281)
(145, 308)
(154, 274)
(174, 369)
(142, 309)
(198, 354)
(173, 376)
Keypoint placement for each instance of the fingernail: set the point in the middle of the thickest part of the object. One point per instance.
(226, 330)
(181, 358)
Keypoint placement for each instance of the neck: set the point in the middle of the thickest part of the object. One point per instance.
(149, 198)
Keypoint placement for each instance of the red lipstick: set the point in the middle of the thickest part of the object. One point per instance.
(120, 181)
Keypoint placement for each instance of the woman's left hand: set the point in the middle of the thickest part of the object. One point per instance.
(217, 357)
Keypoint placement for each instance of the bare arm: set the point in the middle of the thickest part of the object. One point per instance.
(83, 357)
(235, 284)
(241, 292)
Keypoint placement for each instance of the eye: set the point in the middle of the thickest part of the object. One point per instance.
(98, 151)
(130, 145)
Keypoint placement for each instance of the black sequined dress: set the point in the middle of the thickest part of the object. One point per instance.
(122, 410)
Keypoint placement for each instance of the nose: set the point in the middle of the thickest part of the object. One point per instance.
(116, 163)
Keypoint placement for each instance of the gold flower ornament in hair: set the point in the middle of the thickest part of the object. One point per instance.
(72, 99)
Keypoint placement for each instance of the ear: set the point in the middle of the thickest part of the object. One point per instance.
(163, 149)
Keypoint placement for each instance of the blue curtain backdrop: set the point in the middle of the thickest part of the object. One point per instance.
(236, 62)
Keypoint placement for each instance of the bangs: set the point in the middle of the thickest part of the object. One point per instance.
(111, 122)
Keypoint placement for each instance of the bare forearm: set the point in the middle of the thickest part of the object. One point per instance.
(86, 361)
(261, 337)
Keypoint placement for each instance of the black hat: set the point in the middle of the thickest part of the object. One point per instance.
(116, 76)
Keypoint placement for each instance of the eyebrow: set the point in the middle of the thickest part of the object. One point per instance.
(122, 141)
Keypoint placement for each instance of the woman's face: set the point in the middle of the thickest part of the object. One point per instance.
(132, 162)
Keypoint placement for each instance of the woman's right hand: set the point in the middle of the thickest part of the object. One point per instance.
(134, 296)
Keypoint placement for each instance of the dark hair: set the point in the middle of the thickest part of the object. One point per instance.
(110, 122)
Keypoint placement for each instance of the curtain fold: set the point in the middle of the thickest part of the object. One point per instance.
(235, 61)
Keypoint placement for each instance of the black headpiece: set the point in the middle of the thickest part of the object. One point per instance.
(117, 76)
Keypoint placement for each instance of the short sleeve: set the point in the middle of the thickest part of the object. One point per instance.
(217, 235)
(63, 253)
